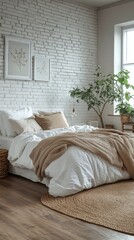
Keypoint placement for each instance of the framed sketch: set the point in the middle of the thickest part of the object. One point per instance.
(18, 59)
(41, 68)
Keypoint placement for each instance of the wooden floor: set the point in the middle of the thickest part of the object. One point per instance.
(23, 217)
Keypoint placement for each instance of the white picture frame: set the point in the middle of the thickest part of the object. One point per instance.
(18, 61)
(41, 68)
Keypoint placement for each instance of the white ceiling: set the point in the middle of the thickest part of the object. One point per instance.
(98, 3)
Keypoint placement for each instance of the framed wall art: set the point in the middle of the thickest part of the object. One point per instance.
(41, 68)
(18, 64)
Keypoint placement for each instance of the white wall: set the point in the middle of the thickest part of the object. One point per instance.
(65, 32)
(107, 19)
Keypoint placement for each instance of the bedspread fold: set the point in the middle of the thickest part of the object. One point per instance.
(113, 146)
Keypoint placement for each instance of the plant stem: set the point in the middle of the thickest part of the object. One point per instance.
(100, 117)
(101, 120)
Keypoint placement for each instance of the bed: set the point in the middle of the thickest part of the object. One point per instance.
(5, 143)
(72, 172)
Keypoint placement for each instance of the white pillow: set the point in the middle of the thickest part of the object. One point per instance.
(25, 125)
(5, 125)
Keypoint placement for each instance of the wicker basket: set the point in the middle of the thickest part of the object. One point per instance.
(3, 163)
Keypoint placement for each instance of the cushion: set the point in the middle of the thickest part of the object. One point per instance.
(5, 125)
(25, 125)
(54, 120)
(44, 113)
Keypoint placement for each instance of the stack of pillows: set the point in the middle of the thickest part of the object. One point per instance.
(13, 123)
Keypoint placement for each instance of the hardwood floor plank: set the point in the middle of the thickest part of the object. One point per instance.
(23, 217)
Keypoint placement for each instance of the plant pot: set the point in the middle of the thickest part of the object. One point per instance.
(125, 118)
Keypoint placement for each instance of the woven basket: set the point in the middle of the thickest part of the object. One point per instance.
(3, 163)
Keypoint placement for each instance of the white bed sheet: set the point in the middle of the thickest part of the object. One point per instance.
(23, 172)
(5, 142)
(74, 171)
(24, 166)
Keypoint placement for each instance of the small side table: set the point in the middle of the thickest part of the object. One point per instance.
(128, 127)
(4, 164)
(109, 126)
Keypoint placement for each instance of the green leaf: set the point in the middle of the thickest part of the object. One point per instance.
(104, 89)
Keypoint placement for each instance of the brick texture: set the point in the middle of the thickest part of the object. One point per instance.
(65, 32)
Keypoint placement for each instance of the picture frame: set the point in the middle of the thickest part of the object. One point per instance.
(18, 62)
(41, 68)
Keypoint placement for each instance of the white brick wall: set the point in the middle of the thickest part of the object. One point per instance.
(62, 30)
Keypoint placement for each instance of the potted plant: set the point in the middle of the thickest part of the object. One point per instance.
(125, 110)
(103, 90)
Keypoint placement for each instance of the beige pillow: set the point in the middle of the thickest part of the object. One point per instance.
(54, 120)
(45, 113)
(25, 125)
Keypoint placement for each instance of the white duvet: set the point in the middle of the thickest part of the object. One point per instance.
(74, 171)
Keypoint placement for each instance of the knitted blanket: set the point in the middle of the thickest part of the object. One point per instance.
(114, 146)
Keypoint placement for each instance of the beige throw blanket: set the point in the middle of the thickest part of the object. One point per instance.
(113, 146)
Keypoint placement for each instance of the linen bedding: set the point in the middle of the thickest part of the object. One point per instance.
(75, 170)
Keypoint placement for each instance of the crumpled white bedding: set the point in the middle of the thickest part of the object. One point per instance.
(74, 171)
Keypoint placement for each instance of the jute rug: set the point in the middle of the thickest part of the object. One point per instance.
(109, 205)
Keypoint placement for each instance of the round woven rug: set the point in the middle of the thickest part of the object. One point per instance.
(109, 205)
